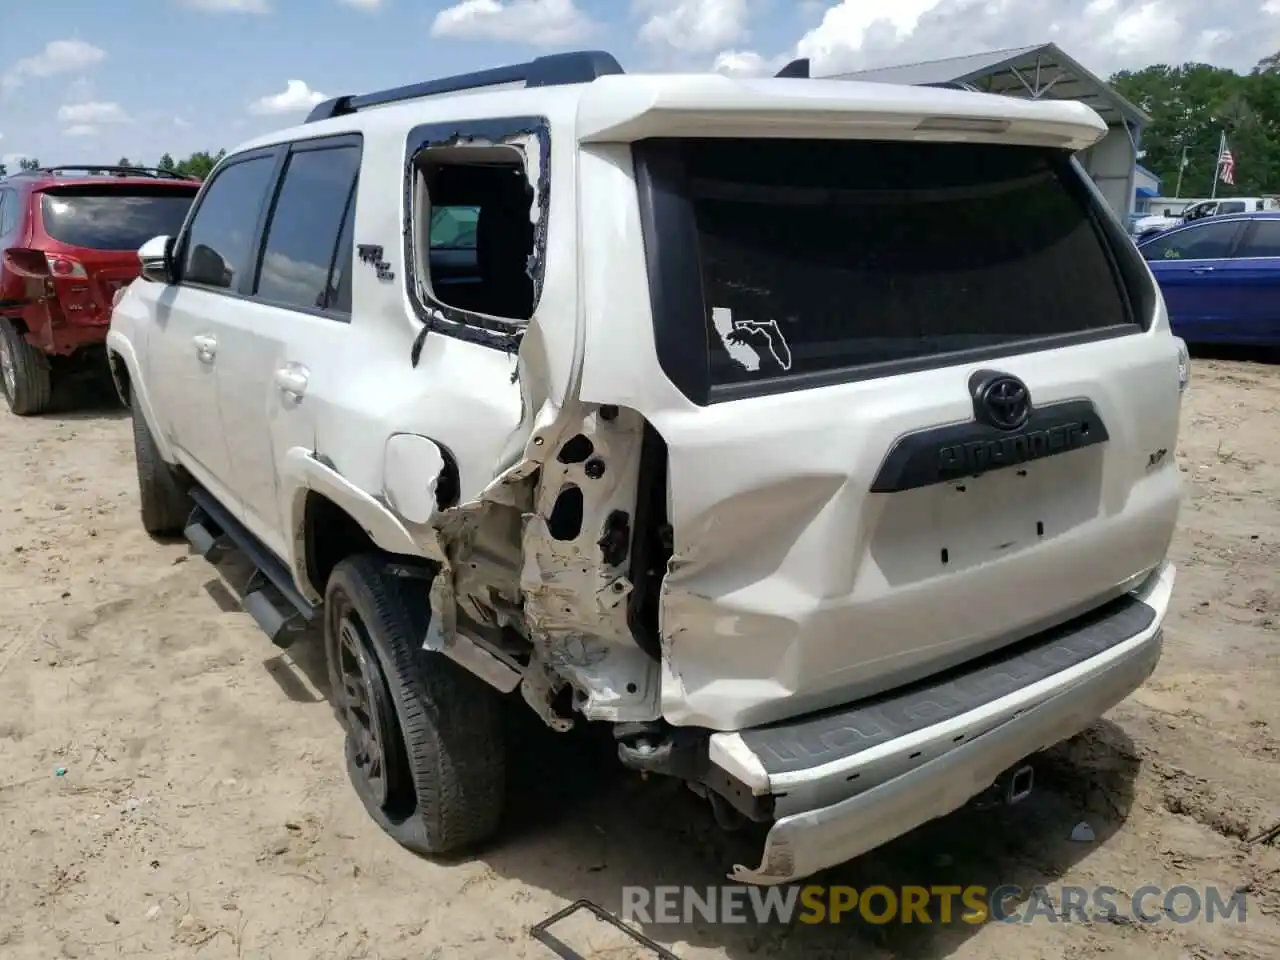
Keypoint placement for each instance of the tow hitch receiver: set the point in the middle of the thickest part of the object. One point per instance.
(1012, 786)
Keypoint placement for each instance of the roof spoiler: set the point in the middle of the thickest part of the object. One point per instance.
(797, 69)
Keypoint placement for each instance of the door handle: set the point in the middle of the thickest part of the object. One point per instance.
(292, 380)
(206, 347)
(1202, 269)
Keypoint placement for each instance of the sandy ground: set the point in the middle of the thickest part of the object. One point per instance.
(171, 785)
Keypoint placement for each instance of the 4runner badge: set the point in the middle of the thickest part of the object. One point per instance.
(372, 254)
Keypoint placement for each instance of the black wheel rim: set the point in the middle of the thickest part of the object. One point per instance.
(366, 709)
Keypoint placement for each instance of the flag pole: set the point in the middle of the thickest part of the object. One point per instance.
(1182, 165)
(1217, 166)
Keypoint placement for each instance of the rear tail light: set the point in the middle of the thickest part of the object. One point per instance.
(1184, 365)
(36, 263)
(26, 263)
(64, 268)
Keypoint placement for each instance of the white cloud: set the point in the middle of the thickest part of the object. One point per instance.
(1104, 35)
(290, 280)
(81, 130)
(181, 123)
(79, 91)
(537, 22)
(693, 26)
(297, 96)
(747, 63)
(362, 4)
(58, 56)
(90, 113)
(229, 6)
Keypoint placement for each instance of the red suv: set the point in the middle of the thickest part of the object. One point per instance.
(69, 237)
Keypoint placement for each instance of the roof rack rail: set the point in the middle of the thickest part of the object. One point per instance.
(553, 70)
(112, 169)
(798, 69)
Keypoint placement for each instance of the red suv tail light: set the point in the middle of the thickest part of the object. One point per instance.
(36, 263)
(64, 268)
(26, 263)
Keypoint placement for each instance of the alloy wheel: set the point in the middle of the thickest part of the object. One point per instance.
(366, 708)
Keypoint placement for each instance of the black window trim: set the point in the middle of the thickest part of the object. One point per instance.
(276, 153)
(348, 219)
(259, 247)
(1239, 220)
(670, 241)
(435, 316)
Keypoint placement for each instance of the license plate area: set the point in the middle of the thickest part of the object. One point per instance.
(991, 514)
(948, 527)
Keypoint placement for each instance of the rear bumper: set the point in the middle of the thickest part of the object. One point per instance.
(845, 783)
(55, 332)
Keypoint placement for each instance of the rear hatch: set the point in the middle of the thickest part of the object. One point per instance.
(925, 402)
(93, 232)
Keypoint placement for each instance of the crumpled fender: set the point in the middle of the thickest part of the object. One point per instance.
(301, 473)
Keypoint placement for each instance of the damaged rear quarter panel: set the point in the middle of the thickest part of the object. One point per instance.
(508, 564)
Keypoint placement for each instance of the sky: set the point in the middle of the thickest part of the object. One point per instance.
(90, 81)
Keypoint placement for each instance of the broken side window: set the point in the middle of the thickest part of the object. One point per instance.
(474, 234)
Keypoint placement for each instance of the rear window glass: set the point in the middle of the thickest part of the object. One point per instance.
(115, 220)
(817, 255)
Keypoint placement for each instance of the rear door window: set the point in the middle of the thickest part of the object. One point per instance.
(818, 256)
(115, 219)
(306, 226)
(1211, 240)
(8, 212)
(1262, 241)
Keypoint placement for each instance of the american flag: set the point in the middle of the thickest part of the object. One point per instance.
(1226, 163)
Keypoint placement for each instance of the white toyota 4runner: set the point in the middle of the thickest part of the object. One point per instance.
(817, 436)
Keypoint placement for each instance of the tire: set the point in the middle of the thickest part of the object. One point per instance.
(437, 731)
(165, 504)
(24, 373)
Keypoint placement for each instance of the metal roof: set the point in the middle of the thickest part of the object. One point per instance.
(1041, 71)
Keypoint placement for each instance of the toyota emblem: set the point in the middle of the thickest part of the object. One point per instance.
(1000, 400)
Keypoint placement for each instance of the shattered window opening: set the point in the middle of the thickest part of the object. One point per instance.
(489, 275)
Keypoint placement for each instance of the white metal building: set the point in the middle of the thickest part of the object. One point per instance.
(1042, 72)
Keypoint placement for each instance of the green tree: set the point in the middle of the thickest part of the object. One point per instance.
(1191, 106)
(166, 163)
(123, 162)
(199, 164)
(28, 163)
(4, 170)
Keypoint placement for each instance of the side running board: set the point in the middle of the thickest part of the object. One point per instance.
(270, 596)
